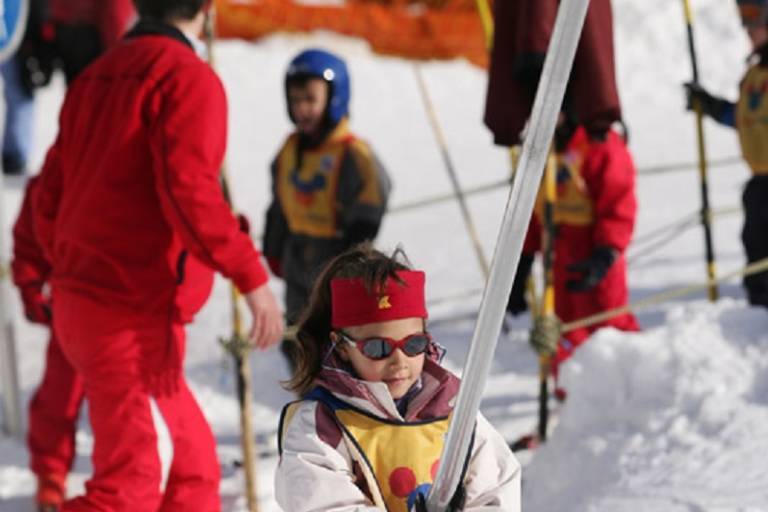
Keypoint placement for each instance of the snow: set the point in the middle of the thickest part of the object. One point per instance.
(673, 418)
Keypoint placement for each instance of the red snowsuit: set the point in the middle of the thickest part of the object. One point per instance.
(55, 405)
(130, 212)
(595, 207)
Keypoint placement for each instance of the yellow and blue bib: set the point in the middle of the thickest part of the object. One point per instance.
(573, 206)
(307, 189)
(752, 119)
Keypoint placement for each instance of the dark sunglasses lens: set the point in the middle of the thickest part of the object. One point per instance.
(376, 348)
(416, 345)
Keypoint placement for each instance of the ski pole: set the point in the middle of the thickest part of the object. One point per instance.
(548, 298)
(706, 220)
(237, 345)
(546, 107)
(486, 19)
(450, 168)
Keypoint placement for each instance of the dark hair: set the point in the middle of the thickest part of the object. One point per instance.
(169, 9)
(314, 326)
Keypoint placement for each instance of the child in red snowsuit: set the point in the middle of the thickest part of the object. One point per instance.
(54, 407)
(594, 217)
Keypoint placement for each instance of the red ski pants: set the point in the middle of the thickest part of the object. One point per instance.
(128, 361)
(53, 414)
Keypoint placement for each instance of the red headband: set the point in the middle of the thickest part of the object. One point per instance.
(351, 304)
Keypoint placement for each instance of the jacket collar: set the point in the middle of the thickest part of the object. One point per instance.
(329, 135)
(436, 397)
(151, 27)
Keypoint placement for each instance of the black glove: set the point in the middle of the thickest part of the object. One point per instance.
(457, 502)
(420, 505)
(517, 303)
(593, 269)
(712, 106)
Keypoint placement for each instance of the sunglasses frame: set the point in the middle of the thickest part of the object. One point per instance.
(394, 344)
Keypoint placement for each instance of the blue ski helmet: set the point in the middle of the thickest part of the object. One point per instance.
(316, 63)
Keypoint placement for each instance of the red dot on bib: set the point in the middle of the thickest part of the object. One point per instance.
(433, 469)
(402, 481)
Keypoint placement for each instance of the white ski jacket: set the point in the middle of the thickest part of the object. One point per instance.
(319, 472)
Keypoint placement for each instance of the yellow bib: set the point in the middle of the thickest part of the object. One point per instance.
(573, 206)
(752, 119)
(402, 457)
(307, 193)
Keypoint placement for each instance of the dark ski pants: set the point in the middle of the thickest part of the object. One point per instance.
(754, 236)
(131, 366)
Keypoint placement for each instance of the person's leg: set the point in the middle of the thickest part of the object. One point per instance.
(193, 480)
(106, 349)
(295, 301)
(19, 117)
(53, 414)
(754, 236)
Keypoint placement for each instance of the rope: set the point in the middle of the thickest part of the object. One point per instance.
(753, 268)
(669, 232)
(491, 186)
(686, 166)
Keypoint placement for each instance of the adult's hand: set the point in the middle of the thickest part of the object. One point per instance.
(268, 324)
(37, 307)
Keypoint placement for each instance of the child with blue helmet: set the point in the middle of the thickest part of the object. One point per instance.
(329, 191)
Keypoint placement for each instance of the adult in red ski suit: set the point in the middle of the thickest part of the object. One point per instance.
(55, 405)
(594, 218)
(130, 213)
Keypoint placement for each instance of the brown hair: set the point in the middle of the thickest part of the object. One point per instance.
(314, 326)
(165, 10)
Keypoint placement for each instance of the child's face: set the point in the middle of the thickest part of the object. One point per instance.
(307, 102)
(398, 371)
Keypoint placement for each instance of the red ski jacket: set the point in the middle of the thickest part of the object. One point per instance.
(129, 208)
(112, 17)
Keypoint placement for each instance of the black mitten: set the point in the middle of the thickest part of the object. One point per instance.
(593, 269)
(712, 106)
(517, 303)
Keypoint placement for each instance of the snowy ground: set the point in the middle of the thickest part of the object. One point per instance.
(672, 419)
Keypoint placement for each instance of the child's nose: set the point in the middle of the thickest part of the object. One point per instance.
(398, 356)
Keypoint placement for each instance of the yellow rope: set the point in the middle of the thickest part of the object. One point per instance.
(753, 268)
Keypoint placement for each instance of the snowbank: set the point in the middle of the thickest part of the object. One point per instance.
(675, 418)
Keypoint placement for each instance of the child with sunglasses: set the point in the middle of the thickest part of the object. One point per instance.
(368, 432)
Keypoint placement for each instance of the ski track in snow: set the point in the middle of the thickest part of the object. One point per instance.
(671, 419)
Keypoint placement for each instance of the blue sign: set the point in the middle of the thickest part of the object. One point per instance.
(13, 20)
